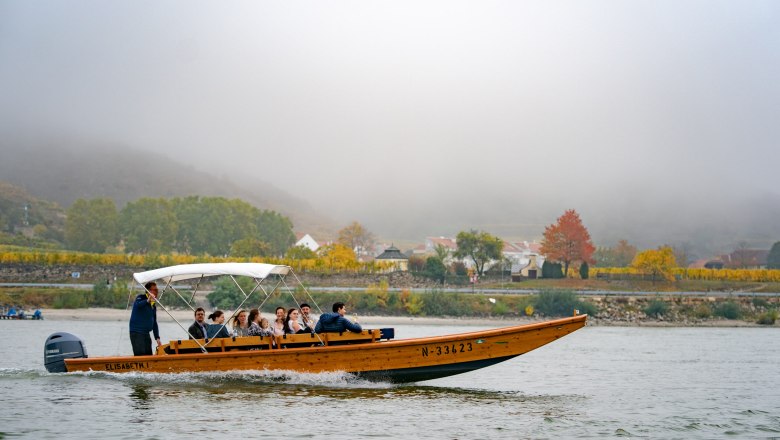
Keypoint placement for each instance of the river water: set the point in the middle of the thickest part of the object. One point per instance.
(633, 382)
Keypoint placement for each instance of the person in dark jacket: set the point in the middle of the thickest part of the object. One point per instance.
(218, 329)
(198, 328)
(143, 319)
(336, 322)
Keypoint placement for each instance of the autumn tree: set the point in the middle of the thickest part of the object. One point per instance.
(659, 263)
(567, 241)
(480, 247)
(683, 253)
(337, 256)
(92, 225)
(357, 238)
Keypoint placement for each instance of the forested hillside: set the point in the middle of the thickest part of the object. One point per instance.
(65, 171)
(22, 216)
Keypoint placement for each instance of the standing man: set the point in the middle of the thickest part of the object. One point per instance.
(143, 319)
(308, 321)
(336, 322)
(198, 328)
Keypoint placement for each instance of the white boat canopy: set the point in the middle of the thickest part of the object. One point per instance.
(189, 271)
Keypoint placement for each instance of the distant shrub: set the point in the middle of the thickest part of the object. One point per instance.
(702, 311)
(112, 296)
(70, 300)
(459, 268)
(768, 318)
(760, 302)
(728, 310)
(438, 303)
(656, 308)
(561, 303)
(584, 270)
(500, 308)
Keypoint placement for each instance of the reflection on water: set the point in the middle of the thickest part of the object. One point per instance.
(140, 397)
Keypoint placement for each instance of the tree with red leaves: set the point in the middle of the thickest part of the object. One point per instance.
(567, 241)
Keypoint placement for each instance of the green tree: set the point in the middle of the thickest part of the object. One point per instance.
(584, 270)
(276, 230)
(149, 225)
(552, 270)
(435, 269)
(226, 295)
(773, 259)
(92, 225)
(442, 252)
(210, 225)
(480, 247)
(249, 247)
(300, 253)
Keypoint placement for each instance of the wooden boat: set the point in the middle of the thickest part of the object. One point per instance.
(371, 354)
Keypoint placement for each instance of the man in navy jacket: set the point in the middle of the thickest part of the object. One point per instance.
(143, 319)
(336, 322)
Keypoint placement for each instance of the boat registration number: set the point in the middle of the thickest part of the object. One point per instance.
(449, 349)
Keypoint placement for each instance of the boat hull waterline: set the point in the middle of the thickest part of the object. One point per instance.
(398, 361)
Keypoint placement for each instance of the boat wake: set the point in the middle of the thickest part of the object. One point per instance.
(241, 378)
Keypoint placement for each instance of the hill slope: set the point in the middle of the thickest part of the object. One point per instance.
(65, 171)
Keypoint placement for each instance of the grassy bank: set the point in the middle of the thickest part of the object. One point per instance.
(378, 300)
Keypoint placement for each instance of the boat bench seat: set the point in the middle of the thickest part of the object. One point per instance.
(182, 346)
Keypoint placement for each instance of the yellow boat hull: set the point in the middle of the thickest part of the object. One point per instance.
(405, 360)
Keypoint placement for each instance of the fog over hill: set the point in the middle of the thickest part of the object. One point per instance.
(656, 121)
(67, 169)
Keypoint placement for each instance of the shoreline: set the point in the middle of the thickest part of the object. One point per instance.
(106, 314)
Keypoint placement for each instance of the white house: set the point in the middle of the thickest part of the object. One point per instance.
(307, 241)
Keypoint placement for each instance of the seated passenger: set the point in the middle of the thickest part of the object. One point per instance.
(336, 322)
(278, 325)
(291, 324)
(217, 329)
(308, 320)
(240, 324)
(259, 326)
(198, 328)
(265, 328)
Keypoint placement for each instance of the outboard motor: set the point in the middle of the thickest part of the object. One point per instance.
(60, 346)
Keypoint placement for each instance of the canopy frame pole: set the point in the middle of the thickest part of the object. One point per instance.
(268, 294)
(195, 290)
(307, 291)
(246, 298)
(298, 304)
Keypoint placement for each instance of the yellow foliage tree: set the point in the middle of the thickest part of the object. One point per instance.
(659, 263)
(338, 256)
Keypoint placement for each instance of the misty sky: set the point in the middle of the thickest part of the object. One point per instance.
(489, 114)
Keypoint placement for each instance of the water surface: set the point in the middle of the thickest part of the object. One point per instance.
(597, 382)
